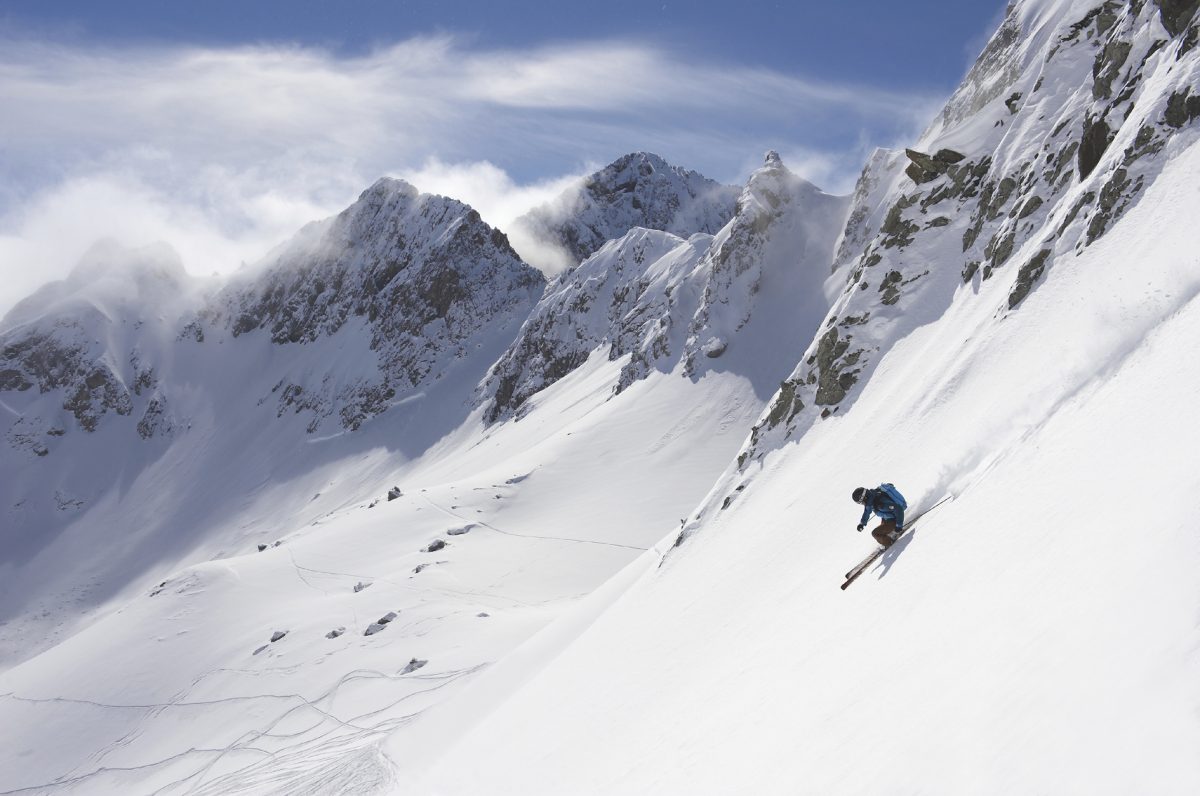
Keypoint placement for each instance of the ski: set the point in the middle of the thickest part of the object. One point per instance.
(853, 574)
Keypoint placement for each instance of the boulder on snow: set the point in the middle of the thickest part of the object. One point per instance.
(383, 622)
(926, 168)
(360, 586)
(434, 546)
(262, 547)
(714, 348)
(337, 631)
(394, 493)
(413, 665)
(278, 634)
(462, 530)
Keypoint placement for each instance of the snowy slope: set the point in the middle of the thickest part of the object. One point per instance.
(534, 515)
(1036, 634)
(1033, 635)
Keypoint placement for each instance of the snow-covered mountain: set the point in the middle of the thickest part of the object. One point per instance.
(144, 408)
(638, 190)
(1014, 332)
(592, 543)
(746, 299)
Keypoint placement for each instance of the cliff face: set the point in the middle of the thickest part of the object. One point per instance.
(1066, 118)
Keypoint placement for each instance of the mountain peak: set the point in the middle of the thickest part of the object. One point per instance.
(390, 186)
(639, 189)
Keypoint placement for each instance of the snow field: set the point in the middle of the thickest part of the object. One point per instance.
(1036, 634)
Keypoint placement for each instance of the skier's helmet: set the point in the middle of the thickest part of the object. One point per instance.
(859, 494)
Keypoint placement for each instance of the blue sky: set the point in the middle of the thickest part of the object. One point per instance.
(221, 126)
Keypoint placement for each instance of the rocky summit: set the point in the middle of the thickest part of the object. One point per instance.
(637, 190)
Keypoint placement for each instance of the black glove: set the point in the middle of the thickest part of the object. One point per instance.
(860, 527)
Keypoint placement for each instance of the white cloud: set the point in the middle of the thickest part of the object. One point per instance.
(224, 152)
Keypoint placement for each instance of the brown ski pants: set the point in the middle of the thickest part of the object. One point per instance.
(881, 533)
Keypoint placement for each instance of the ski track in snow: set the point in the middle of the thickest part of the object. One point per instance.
(246, 741)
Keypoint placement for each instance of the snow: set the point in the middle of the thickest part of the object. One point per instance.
(173, 686)
(629, 584)
(1038, 633)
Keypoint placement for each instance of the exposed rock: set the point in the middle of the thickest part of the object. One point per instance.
(460, 531)
(1029, 273)
(1108, 66)
(1030, 207)
(1182, 107)
(1114, 196)
(786, 405)
(1096, 138)
(434, 546)
(278, 634)
(155, 421)
(413, 665)
(394, 493)
(926, 168)
(890, 287)
(337, 631)
(428, 279)
(897, 231)
(360, 586)
(12, 379)
(714, 348)
(1176, 14)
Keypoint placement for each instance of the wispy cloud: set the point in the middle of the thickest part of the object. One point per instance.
(223, 152)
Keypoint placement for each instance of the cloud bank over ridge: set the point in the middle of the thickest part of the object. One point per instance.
(224, 152)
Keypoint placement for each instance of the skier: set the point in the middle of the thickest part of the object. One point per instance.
(887, 502)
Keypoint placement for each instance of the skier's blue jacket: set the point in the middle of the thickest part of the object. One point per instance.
(885, 501)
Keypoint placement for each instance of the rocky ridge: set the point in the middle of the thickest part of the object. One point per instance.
(1054, 134)
(664, 301)
(421, 277)
(95, 340)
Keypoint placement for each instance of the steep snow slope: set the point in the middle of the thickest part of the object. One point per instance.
(637, 190)
(1036, 634)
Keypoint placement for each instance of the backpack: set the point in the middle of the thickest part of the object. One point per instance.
(894, 494)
